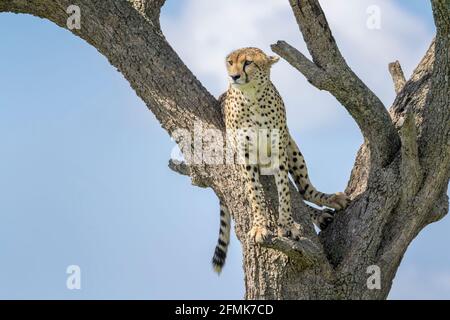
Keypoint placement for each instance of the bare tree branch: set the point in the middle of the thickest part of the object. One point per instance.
(149, 8)
(434, 142)
(196, 173)
(315, 75)
(179, 167)
(338, 78)
(413, 95)
(304, 251)
(437, 113)
(439, 210)
(317, 35)
(441, 13)
(421, 203)
(410, 169)
(397, 76)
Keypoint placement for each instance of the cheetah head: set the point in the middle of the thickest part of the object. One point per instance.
(249, 66)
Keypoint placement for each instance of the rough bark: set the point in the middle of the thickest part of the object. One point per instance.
(400, 178)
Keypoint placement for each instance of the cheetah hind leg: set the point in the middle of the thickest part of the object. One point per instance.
(323, 218)
(338, 201)
(299, 171)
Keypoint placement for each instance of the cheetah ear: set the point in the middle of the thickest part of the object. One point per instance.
(273, 59)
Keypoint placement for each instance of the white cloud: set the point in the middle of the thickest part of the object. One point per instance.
(208, 30)
(204, 31)
(402, 36)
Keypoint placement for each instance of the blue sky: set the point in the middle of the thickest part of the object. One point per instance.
(83, 163)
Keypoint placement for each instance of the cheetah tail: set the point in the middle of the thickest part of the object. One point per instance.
(220, 254)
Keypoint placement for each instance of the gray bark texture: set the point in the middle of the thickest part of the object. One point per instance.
(400, 178)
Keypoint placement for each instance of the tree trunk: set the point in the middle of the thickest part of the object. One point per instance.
(400, 178)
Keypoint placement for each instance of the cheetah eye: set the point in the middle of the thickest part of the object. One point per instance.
(247, 63)
(230, 62)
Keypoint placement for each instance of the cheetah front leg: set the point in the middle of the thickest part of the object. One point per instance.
(246, 141)
(299, 171)
(286, 225)
(259, 231)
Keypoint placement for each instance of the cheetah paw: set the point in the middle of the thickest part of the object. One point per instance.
(338, 201)
(324, 219)
(259, 234)
(292, 231)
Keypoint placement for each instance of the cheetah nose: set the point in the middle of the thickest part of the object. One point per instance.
(235, 77)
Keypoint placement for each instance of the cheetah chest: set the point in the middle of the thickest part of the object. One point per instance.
(258, 121)
(250, 111)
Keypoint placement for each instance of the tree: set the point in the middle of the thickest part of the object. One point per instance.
(400, 178)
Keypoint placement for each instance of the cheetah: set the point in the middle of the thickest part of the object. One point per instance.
(252, 105)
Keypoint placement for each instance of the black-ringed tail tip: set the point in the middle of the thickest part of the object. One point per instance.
(220, 253)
